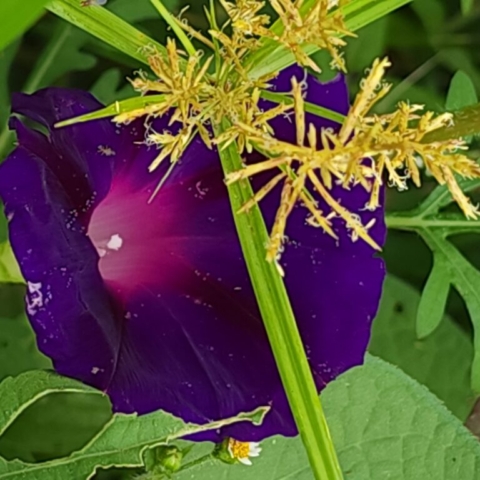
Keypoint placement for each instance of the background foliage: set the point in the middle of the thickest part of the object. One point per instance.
(394, 421)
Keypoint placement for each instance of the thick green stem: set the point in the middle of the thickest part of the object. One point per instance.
(280, 325)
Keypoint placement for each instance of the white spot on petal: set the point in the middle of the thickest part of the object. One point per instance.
(115, 242)
(34, 297)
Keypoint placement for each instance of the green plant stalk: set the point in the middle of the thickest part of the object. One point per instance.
(172, 22)
(406, 222)
(106, 26)
(280, 325)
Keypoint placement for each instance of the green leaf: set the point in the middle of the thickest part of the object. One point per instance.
(461, 92)
(457, 58)
(120, 443)
(55, 426)
(466, 279)
(110, 87)
(360, 52)
(114, 109)
(18, 350)
(435, 228)
(384, 426)
(432, 13)
(434, 298)
(465, 122)
(467, 6)
(9, 269)
(6, 137)
(16, 17)
(441, 361)
(61, 55)
(280, 323)
(18, 393)
(106, 26)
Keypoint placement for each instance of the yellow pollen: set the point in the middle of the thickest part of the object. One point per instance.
(238, 450)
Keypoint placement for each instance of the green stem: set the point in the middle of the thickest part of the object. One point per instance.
(403, 222)
(172, 22)
(280, 325)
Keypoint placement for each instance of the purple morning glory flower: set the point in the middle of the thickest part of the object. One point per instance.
(151, 301)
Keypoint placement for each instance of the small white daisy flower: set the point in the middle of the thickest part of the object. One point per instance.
(243, 451)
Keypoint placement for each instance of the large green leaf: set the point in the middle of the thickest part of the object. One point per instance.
(122, 442)
(441, 361)
(384, 426)
(16, 17)
(18, 351)
(55, 426)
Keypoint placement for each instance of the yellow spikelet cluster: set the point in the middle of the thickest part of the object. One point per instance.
(359, 154)
(366, 148)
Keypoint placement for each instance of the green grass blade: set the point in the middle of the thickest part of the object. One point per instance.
(115, 108)
(173, 24)
(106, 26)
(281, 327)
(309, 107)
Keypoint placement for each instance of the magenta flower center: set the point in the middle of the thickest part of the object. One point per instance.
(130, 235)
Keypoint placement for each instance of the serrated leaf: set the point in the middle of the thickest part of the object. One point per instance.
(384, 426)
(441, 362)
(121, 442)
(466, 279)
(461, 92)
(434, 298)
(16, 17)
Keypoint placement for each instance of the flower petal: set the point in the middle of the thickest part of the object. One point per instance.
(152, 301)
